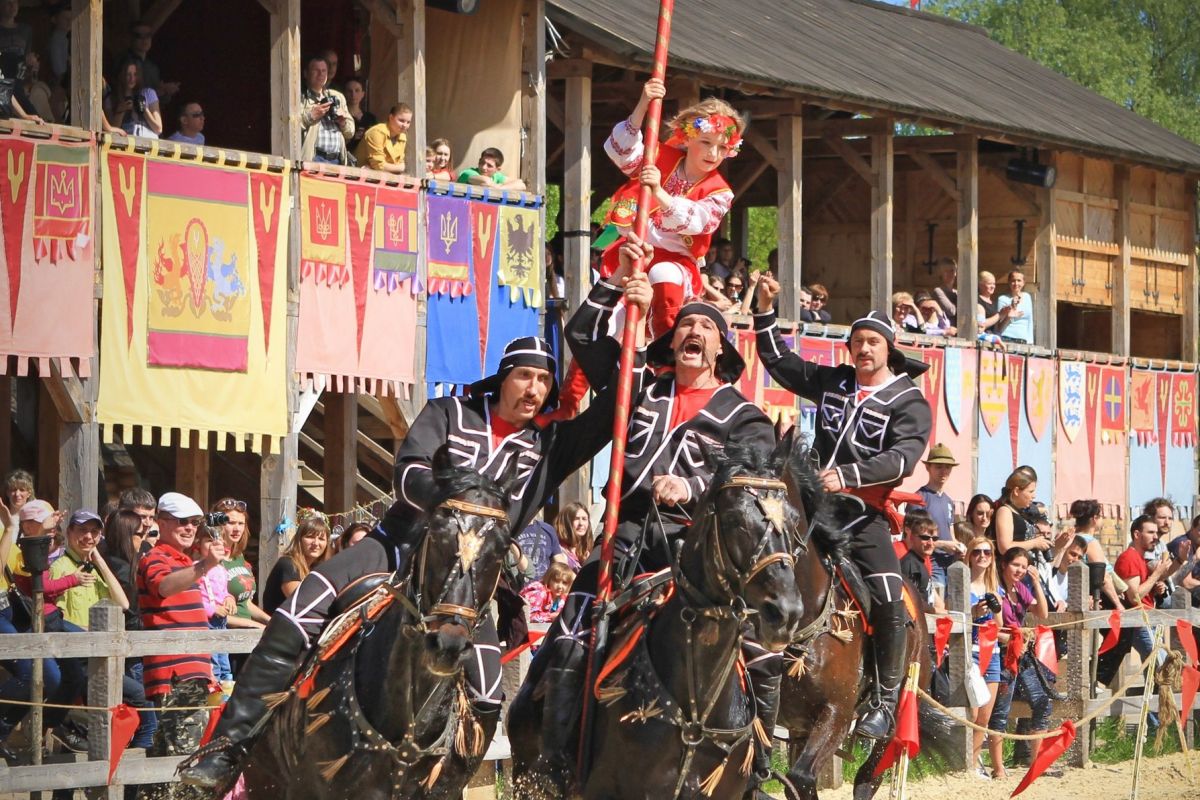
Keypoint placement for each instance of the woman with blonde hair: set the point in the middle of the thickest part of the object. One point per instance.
(985, 605)
(1008, 526)
(443, 160)
(574, 527)
(242, 585)
(309, 547)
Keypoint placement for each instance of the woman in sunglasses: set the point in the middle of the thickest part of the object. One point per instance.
(242, 586)
(985, 605)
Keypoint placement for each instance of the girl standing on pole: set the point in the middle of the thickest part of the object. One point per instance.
(690, 197)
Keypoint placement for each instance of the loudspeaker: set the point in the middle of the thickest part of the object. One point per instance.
(454, 6)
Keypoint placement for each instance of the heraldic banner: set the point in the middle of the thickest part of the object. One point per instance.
(358, 284)
(193, 335)
(49, 260)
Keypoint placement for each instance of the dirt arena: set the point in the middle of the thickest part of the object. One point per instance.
(1163, 778)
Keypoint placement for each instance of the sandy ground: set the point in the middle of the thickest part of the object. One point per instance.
(1163, 778)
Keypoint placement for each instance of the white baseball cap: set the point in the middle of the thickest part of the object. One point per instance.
(179, 506)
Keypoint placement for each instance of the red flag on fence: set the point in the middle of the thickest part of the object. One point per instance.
(1114, 632)
(941, 638)
(988, 633)
(1044, 649)
(1191, 681)
(125, 721)
(212, 724)
(1016, 649)
(908, 735)
(1187, 640)
(1051, 750)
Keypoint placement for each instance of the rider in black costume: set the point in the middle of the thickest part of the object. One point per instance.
(873, 425)
(492, 431)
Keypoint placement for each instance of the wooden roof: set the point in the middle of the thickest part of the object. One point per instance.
(875, 56)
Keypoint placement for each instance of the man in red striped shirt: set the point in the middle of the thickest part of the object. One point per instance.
(169, 598)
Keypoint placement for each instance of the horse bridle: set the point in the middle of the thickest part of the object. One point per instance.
(464, 562)
(772, 506)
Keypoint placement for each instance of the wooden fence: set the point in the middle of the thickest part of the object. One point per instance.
(107, 644)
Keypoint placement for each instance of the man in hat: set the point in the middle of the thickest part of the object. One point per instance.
(676, 418)
(872, 428)
(940, 506)
(492, 431)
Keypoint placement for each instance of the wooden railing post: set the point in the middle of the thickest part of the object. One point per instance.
(1078, 665)
(958, 599)
(104, 690)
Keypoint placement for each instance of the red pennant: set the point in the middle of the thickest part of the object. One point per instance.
(266, 192)
(1016, 371)
(908, 734)
(1044, 649)
(1091, 408)
(16, 173)
(1191, 680)
(485, 241)
(1047, 755)
(941, 638)
(125, 176)
(1162, 408)
(1187, 640)
(360, 216)
(1183, 410)
(1114, 632)
(1015, 649)
(988, 633)
(931, 383)
(125, 720)
(213, 718)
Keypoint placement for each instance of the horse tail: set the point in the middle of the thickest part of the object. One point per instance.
(937, 733)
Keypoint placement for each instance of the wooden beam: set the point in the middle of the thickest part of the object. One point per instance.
(748, 181)
(935, 171)
(285, 80)
(790, 200)
(1121, 265)
(6, 423)
(857, 162)
(882, 207)
(764, 147)
(817, 206)
(1045, 314)
(561, 68)
(555, 114)
(385, 14)
(67, 394)
(1191, 315)
(533, 94)
(87, 64)
(411, 85)
(967, 187)
(192, 469)
(159, 13)
(341, 451)
(840, 127)
(270, 6)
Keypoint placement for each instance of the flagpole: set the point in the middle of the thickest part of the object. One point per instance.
(900, 773)
(650, 132)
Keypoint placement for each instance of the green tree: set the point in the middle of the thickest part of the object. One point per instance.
(1144, 55)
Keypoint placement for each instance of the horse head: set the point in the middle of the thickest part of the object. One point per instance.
(744, 536)
(826, 516)
(458, 565)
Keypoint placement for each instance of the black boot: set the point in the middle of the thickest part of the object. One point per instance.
(888, 639)
(268, 670)
(766, 701)
(560, 723)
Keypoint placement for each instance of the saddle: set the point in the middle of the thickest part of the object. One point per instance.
(860, 596)
(635, 607)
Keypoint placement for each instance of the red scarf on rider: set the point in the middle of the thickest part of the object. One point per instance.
(688, 403)
(886, 500)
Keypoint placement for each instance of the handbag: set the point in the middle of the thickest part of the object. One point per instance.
(977, 689)
(8, 87)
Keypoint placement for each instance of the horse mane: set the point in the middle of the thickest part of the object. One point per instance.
(819, 506)
(453, 482)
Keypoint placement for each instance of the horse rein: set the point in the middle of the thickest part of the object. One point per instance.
(459, 509)
(772, 509)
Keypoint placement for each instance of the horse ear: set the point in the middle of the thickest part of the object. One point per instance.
(441, 459)
(782, 453)
(711, 452)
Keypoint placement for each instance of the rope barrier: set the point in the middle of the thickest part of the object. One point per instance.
(156, 709)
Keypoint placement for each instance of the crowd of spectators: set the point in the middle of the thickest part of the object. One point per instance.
(1017, 560)
(999, 319)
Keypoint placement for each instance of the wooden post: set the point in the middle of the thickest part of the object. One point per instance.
(968, 236)
(104, 690)
(46, 475)
(739, 230)
(341, 451)
(958, 599)
(6, 423)
(1045, 313)
(533, 95)
(1121, 267)
(1191, 316)
(87, 54)
(577, 239)
(882, 206)
(192, 468)
(1078, 667)
(790, 199)
(410, 54)
(285, 79)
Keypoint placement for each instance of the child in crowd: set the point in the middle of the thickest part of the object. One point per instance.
(545, 597)
(218, 602)
(689, 195)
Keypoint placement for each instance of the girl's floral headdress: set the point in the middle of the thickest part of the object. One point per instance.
(693, 127)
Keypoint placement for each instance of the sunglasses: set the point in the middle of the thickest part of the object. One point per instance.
(232, 505)
(928, 538)
(195, 522)
(981, 551)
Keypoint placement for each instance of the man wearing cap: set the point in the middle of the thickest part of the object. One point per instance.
(676, 419)
(938, 504)
(873, 426)
(492, 431)
(84, 531)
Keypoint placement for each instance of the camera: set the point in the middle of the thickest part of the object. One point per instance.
(992, 602)
(217, 519)
(139, 103)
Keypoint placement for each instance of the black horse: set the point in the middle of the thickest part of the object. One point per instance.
(385, 714)
(825, 679)
(675, 716)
